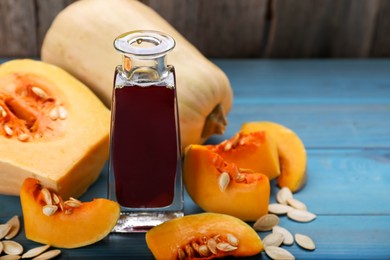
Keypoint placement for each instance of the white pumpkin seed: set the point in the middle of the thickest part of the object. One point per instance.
(56, 200)
(232, 239)
(273, 239)
(203, 250)
(275, 252)
(39, 92)
(62, 112)
(47, 196)
(288, 237)
(4, 229)
(278, 209)
(283, 194)
(48, 255)
(266, 222)
(15, 227)
(301, 215)
(225, 247)
(212, 245)
(3, 113)
(228, 146)
(49, 210)
(33, 252)
(10, 257)
(72, 203)
(223, 181)
(12, 248)
(54, 114)
(240, 177)
(8, 130)
(23, 137)
(305, 242)
(296, 204)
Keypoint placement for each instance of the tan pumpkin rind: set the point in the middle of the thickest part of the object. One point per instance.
(181, 237)
(85, 224)
(83, 34)
(219, 186)
(66, 150)
(291, 150)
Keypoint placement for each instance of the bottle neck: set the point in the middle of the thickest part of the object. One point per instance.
(144, 69)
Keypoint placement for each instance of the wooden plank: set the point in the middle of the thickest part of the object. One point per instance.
(47, 10)
(348, 98)
(381, 41)
(17, 28)
(322, 28)
(218, 28)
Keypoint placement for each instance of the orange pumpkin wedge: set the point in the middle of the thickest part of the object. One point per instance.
(292, 153)
(256, 151)
(203, 236)
(73, 224)
(219, 186)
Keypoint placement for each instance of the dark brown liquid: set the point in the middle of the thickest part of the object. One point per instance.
(144, 145)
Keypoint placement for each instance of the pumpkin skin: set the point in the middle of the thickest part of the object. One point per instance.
(246, 196)
(256, 151)
(80, 40)
(291, 150)
(166, 239)
(65, 155)
(86, 224)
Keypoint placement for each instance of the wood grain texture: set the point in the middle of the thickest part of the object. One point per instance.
(18, 28)
(218, 28)
(381, 40)
(322, 28)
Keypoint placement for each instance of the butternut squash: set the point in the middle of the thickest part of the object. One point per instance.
(52, 128)
(80, 40)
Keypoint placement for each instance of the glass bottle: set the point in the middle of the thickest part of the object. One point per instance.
(145, 154)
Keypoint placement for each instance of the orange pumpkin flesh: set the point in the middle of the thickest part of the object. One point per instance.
(69, 228)
(291, 150)
(52, 127)
(166, 240)
(255, 151)
(245, 197)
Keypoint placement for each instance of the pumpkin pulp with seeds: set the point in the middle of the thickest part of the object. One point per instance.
(52, 127)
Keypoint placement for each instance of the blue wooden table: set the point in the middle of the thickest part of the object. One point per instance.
(341, 111)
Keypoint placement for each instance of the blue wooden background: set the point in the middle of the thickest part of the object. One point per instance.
(341, 111)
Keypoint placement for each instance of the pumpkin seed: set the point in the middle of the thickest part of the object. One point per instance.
(278, 209)
(204, 250)
(283, 194)
(56, 199)
(236, 139)
(15, 227)
(266, 222)
(223, 181)
(288, 237)
(240, 177)
(12, 248)
(48, 255)
(47, 196)
(189, 251)
(54, 114)
(39, 92)
(49, 210)
(8, 130)
(180, 254)
(72, 203)
(33, 252)
(10, 257)
(4, 229)
(232, 239)
(3, 113)
(62, 112)
(227, 146)
(225, 247)
(296, 204)
(301, 215)
(23, 137)
(273, 239)
(212, 245)
(275, 252)
(305, 242)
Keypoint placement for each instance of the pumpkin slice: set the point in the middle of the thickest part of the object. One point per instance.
(219, 186)
(205, 235)
(52, 127)
(292, 153)
(256, 151)
(48, 219)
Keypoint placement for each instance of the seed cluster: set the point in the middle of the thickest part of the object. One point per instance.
(204, 247)
(30, 114)
(54, 203)
(14, 250)
(295, 210)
